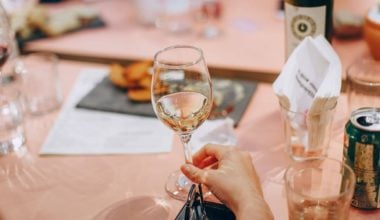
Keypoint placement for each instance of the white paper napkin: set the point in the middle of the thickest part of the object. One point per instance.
(312, 72)
(219, 131)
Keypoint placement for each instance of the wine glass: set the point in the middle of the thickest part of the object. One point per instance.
(211, 13)
(182, 100)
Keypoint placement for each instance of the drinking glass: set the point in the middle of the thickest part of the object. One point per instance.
(40, 82)
(12, 136)
(319, 188)
(211, 13)
(182, 100)
(363, 84)
(307, 134)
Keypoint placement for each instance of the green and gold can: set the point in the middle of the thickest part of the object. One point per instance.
(362, 152)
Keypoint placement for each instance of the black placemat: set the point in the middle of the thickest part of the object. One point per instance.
(231, 96)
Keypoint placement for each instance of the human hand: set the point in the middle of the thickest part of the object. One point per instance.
(231, 177)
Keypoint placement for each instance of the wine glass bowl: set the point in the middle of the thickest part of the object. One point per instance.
(181, 99)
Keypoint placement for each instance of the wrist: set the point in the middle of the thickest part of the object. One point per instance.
(254, 208)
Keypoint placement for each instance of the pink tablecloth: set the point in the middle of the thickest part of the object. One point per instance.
(79, 187)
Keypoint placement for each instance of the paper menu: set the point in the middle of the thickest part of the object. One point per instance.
(81, 131)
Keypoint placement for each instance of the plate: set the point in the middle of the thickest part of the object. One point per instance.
(231, 97)
(136, 208)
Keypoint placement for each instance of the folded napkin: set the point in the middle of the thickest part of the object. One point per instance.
(219, 131)
(310, 82)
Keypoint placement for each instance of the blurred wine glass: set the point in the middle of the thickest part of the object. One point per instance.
(182, 100)
(211, 12)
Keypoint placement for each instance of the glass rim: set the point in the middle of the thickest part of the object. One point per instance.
(185, 64)
(358, 63)
(343, 165)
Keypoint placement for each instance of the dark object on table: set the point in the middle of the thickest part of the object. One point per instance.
(347, 25)
(197, 209)
(231, 98)
(37, 21)
(38, 34)
(281, 5)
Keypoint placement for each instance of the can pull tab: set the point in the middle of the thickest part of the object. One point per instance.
(369, 120)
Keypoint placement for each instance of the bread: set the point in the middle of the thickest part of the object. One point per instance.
(116, 76)
(145, 81)
(135, 77)
(34, 17)
(25, 20)
(60, 23)
(136, 71)
(139, 95)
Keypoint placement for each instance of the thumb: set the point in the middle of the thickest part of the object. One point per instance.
(193, 173)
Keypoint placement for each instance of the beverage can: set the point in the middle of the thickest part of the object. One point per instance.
(361, 152)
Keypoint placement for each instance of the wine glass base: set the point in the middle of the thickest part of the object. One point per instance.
(178, 186)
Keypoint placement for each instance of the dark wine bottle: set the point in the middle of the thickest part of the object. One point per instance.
(307, 18)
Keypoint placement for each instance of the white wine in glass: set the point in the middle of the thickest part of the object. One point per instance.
(182, 100)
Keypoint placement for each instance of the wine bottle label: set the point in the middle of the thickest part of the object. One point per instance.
(302, 22)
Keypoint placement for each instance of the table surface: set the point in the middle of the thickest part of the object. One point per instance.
(252, 40)
(79, 187)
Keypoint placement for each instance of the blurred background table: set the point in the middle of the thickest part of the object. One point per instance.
(79, 187)
(251, 45)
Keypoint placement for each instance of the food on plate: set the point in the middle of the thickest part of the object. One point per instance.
(145, 81)
(137, 70)
(35, 18)
(134, 77)
(116, 76)
(139, 95)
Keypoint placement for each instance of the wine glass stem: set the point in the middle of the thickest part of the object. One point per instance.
(185, 139)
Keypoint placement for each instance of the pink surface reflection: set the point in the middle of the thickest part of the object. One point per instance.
(136, 208)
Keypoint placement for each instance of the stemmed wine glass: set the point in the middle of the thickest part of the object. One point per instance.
(182, 100)
(211, 12)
